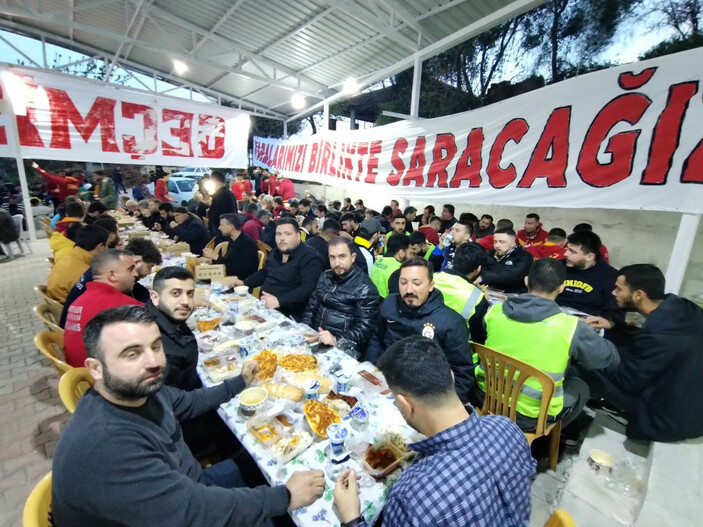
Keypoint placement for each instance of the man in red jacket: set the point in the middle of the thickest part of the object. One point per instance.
(553, 247)
(61, 185)
(114, 274)
(532, 233)
(285, 188)
(240, 186)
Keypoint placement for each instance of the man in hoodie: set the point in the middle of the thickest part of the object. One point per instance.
(419, 310)
(590, 282)
(532, 329)
(657, 384)
(532, 233)
(188, 228)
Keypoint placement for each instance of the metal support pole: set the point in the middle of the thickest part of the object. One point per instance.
(417, 80)
(681, 252)
(285, 130)
(353, 125)
(326, 116)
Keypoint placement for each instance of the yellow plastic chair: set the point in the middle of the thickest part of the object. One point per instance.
(73, 385)
(262, 260)
(211, 244)
(37, 508)
(46, 315)
(502, 395)
(221, 250)
(51, 345)
(560, 518)
(56, 306)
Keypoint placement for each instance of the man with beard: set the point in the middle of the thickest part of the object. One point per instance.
(470, 470)
(135, 468)
(485, 226)
(657, 383)
(242, 257)
(350, 224)
(329, 230)
(589, 282)
(419, 309)
(290, 273)
(344, 305)
(188, 228)
(507, 265)
(443, 254)
(532, 233)
(383, 267)
(223, 202)
(114, 273)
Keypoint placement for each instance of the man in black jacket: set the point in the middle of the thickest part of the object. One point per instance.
(657, 383)
(188, 228)
(506, 265)
(223, 202)
(290, 274)
(419, 309)
(329, 230)
(344, 306)
(242, 257)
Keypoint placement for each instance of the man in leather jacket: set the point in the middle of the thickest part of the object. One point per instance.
(345, 303)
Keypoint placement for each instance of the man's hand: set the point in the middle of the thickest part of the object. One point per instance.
(346, 495)
(157, 226)
(209, 253)
(173, 224)
(270, 301)
(249, 370)
(236, 282)
(305, 488)
(326, 337)
(477, 280)
(600, 323)
(34, 165)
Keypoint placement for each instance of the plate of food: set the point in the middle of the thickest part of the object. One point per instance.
(319, 416)
(297, 362)
(267, 360)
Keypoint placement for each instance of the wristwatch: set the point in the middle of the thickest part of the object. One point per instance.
(354, 522)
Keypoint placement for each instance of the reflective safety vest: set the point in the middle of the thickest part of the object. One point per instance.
(543, 345)
(459, 294)
(380, 273)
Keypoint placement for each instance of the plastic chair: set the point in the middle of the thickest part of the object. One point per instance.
(57, 307)
(262, 260)
(46, 225)
(264, 248)
(46, 315)
(51, 345)
(221, 250)
(37, 508)
(73, 385)
(211, 244)
(502, 395)
(560, 518)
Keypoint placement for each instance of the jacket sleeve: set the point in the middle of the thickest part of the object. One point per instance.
(243, 264)
(257, 278)
(189, 404)
(643, 364)
(376, 344)
(313, 304)
(456, 346)
(310, 270)
(591, 350)
(477, 326)
(365, 317)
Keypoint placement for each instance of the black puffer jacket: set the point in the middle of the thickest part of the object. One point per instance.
(347, 307)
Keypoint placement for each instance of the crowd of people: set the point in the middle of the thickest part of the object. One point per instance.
(406, 291)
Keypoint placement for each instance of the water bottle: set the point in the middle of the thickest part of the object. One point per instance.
(216, 288)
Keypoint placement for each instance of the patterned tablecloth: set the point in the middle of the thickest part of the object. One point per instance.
(383, 416)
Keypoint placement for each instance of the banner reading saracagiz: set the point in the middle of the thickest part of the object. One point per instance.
(626, 138)
(74, 119)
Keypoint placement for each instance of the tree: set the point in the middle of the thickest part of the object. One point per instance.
(683, 16)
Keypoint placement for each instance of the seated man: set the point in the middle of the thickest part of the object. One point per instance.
(188, 228)
(329, 230)
(146, 255)
(470, 470)
(113, 277)
(344, 306)
(590, 282)
(487, 241)
(430, 230)
(350, 224)
(506, 265)
(532, 329)
(459, 292)
(383, 267)
(603, 248)
(135, 468)
(553, 247)
(419, 310)
(532, 233)
(657, 384)
(255, 226)
(443, 254)
(164, 218)
(90, 240)
(242, 257)
(290, 273)
(485, 227)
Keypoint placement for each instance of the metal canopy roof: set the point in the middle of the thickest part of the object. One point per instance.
(257, 53)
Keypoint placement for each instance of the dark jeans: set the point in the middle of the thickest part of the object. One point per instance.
(602, 387)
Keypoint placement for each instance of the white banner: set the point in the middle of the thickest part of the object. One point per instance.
(73, 119)
(625, 138)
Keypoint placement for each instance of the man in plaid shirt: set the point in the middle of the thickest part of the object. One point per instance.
(470, 470)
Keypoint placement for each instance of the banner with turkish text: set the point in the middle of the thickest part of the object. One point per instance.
(68, 118)
(629, 137)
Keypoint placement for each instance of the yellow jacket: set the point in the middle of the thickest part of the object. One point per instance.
(61, 245)
(65, 273)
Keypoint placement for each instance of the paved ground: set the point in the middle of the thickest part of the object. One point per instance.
(31, 414)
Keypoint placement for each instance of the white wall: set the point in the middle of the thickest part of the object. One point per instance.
(631, 236)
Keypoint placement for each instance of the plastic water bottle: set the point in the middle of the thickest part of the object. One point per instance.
(217, 288)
